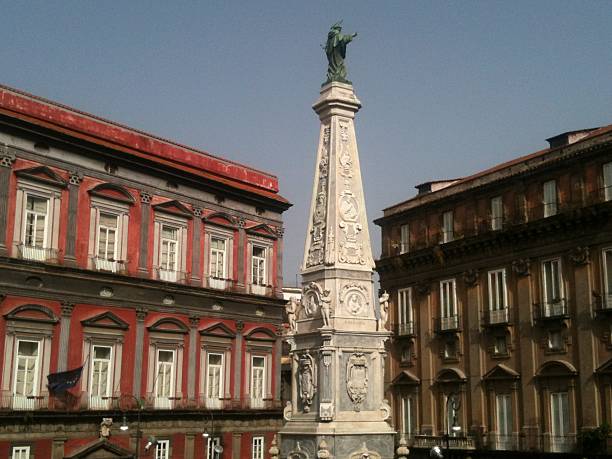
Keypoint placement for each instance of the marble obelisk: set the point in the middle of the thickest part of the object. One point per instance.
(337, 343)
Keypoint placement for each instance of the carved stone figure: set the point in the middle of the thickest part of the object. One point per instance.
(288, 411)
(335, 49)
(291, 308)
(357, 378)
(306, 379)
(384, 311)
(105, 427)
(326, 307)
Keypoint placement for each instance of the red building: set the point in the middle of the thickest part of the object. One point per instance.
(155, 266)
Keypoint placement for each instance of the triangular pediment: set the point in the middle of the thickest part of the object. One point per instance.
(106, 320)
(262, 230)
(100, 449)
(42, 174)
(500, 372)
(406, 378)
(32, 313)
(218, 329)
(605, 369)
(174, 208)
(169, 325)
(221, 219)
(261, 334)
(112, 192)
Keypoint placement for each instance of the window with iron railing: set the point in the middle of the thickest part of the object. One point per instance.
(498, 296)
(405, 318)
(560, 421)
(607, 181)
(552, 287)
(503, 415)
(448, 305)
(607, 279)
(549, 201)
(164, 378)
(214, 380)
(100, 386)
(407, 415)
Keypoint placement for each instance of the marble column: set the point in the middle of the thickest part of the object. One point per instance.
(62, 356)
(238, 361)
(74, 182)
(145, 208)
(6, 163)
(141, 314)
(191, 369)
(196, 279)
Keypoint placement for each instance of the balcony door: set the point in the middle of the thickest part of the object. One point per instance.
(503, 416)
(560, 421)
(164, 383)
(214, 380)
(100, 385)
(27, 375)
(258, 381)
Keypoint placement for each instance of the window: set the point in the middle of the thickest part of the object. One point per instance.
(447, 227)
(169, 250)
(108, 253)
(35, 239)
(404, 312)
(164, 384)
(20, 452)
(555, 340)
(553, 288)
(497, 213)
(406, 354)
(503, 415)
(448, 303)
(218, 262)
(258, 448)
(550, 198)
(214, 380)
(501, 345)
(212, 448)
(100, 386)
(407, 415)
(162, 449)
(452, 415)
(26, 377)
(560, 423)
(404, 238)
(108, 233)
(258, 266)
(498, 299)
(607, 274)
(450, 348)
(607, 181)
(258, 381)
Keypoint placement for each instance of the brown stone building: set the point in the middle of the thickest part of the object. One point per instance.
(501, 301)
(155, 267)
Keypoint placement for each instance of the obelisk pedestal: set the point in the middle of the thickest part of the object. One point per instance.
(336, 344)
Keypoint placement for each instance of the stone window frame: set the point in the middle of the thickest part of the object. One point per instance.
(607, 187)
(53, 194)
(29, 450)
(606, 290)
(268, 246)
(168, 444)
(121, 210)
(28, 329)
(562, 283)
(259, 347)
(489, 296)
(262, 439)
(211, 230)
(218, 344)
(181, 223)
(553, 204)
(404, 244)
(455, 308)
(447, 234)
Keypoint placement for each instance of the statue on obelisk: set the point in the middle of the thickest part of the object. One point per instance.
(337, 338)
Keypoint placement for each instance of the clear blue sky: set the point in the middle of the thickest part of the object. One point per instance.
(448, 88)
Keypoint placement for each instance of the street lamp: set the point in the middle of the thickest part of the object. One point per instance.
(125, 427)
(455, 404)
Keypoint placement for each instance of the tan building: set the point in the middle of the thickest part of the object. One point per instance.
(501, 300)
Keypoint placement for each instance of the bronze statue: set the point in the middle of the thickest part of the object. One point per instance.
(335, 49)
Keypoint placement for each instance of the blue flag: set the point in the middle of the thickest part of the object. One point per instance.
(58, 383)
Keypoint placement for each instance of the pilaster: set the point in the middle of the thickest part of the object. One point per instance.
(57, 448)
(473, 357)
(196, 279)
(236, 445)
(145, 211)
(62, 356)
(141, 314)
(241, 254)
(74, 182)
(191, 369)
(238, 361)
(279, 262)
(7, 158)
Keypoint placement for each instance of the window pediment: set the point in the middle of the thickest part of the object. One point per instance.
(42, 174)
(451, 375)
(32, 313)
(169, 325)
(556, 369)
(605, 369)
(106, 320)
(261, 334)
(101, 448)
(501, 372)
(219, 330)
(406, 378)
(221, 219)
(112, 192)
(262, 230)
(174, 208)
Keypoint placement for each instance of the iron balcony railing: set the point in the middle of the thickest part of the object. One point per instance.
(497, 316)
(559, 443)
(110, 265)
(169, 275)
(29, 252)
(405, 329)
(501, 442)
(429, 441)
(220, 283)
(603, 303)
(258, 289)
(554, 309)
(448, 324)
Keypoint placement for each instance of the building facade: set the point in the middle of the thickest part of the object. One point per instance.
(155, 267)
(501, 300)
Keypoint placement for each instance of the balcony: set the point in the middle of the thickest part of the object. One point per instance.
(429, 441)
(448, 324)
(28, 252)
(109, 265)
(167, 275)
(497, 317)
(219, 283)
(554, 310)
(503, 442)
(405, 329)
(264, 290)
(559, 443)
(603, 304)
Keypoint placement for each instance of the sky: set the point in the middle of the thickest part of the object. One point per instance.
(448, 88)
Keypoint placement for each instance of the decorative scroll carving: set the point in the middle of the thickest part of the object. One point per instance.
(298, 452)
(357, 379)
(364, 453)
(306, 380)
(288, 411)
(580, 255)
(470, 277)
(198, 212)
(105, 428)
(274, 451)
(521, 266)
(312, 299)
(316, 251)
(141, 313)
(67, 309)
(353, 297)
(323, 452)
(385, 408)
(75, 178)
(145, 197)
(7, 157)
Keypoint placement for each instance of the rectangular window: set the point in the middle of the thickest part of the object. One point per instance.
(448, 304)
(553, 287)
(407, 416)
(258, 381)
(258, 266)
(169, 253)
(35, 228)
(100, 386)
(162, 449)
(404, 312)
(498, 301)
(503, 414)
(214, 380)
(258, 448)
(550, 198)
(607, 181)
(212, 448)
(447, 227)
(217, 258)
(555, 340)
(501, 345)
(497, 213)
(107, 236)
(164, 379)
(404, 238)
(560, 422)
(27, 368)
(20, 452)
(607, 274)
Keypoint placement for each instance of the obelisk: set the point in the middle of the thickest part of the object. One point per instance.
(337, 341)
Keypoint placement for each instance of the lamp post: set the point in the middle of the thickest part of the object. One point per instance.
(455, 404)
(125, 427)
